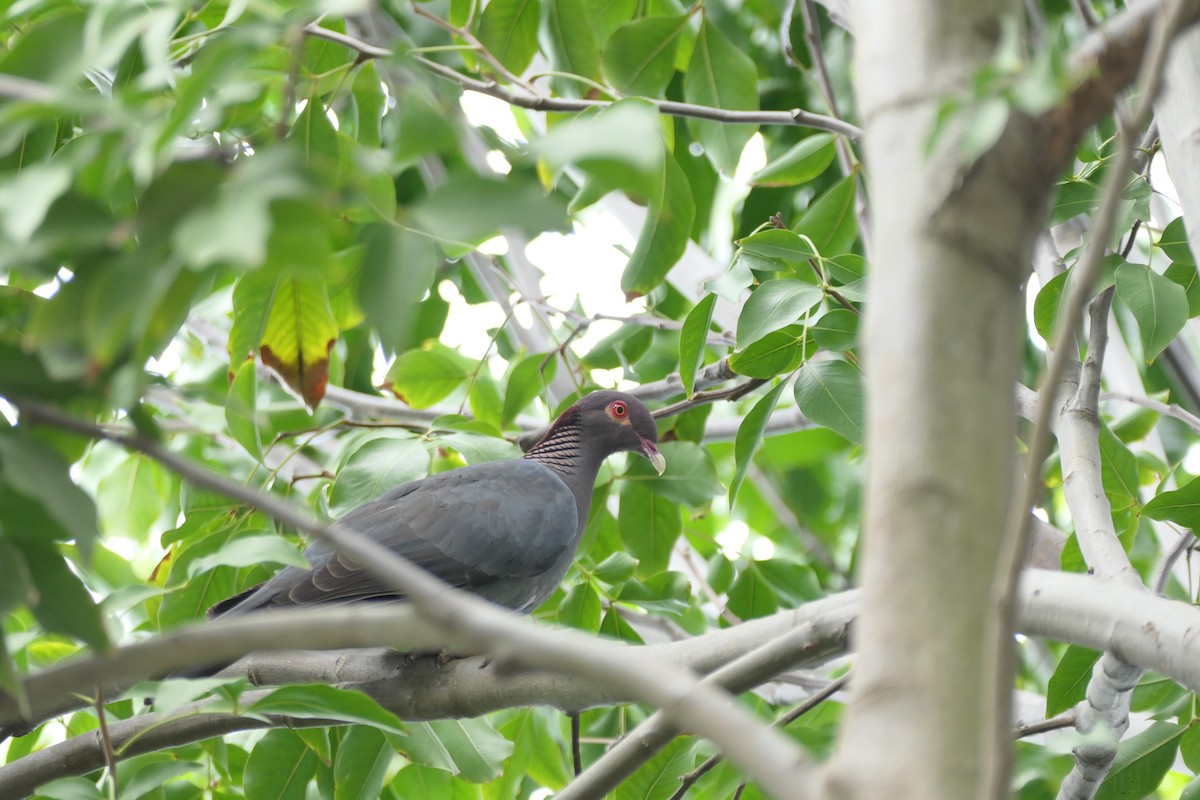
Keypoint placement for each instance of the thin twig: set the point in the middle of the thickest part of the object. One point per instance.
(1063, 720)
(684, 549)
(816, 51)
(1086, 12)
(537, 102)
(364, 50)
(1162, 572)
(477, 45)
(576, 748)
(808, 704)
(724, 339)
(110, 755)
(1166, 409)
(702, 398)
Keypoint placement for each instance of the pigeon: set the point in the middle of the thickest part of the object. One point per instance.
(506, 531)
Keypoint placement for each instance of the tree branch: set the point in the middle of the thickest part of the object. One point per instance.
(1109, 60)
(414, 691)
(812, 701)
(643, 742)
(1151, 631)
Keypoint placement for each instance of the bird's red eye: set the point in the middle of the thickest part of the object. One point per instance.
(618, 410)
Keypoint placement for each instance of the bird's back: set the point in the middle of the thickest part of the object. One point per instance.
(505, 530)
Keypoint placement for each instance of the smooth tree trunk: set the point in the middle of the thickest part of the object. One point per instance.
(953, 240)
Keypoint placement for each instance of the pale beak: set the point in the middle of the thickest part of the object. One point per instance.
(656, 459)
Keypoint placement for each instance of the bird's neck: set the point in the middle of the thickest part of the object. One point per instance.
(563, 450)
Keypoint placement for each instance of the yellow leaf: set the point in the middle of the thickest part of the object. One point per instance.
(299, 334)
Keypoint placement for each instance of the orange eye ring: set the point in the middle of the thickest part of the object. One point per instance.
(618, 409)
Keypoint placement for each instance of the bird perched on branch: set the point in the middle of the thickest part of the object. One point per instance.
(504, 530)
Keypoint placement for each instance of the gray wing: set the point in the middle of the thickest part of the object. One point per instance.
(471, 527)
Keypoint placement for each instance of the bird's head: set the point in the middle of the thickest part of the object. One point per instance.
(616, 422)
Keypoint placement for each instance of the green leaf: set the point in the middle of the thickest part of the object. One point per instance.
(735, 281)
(397, 270)
(572, 40)
(149, 773)
(830, 393)
(11, 680)
(1068, 684)
(658, 778)
(720, 76)
(1075, 197)
(666, 592)
(418, 781)
(370, 103)
(62, 603)
(1174, 242)
(1049, 297)
(1189, 746)
(241, 409)
(1186, 275)
(508, 29)
(26, 197)
(476, 448)
(751, 595)
(615, 569)
(1181, 506)
(614, 626)
(750, 436)
(1142, 762)
(318, 701)
(423, 377)
(801, 164)
(778, 243)
(235, 228)
(773, 305)
(664, 235)
(69, 789)
(581, 608)
(690, 476)
(41, 475)
(692, 340)
(530, 378)
(469, 748)
(1119, 472)
(374, 467)
(280, 767)
(317, 138)
(536, 753)
(133, 496)
(248, 550)
(1159, 305)
(469, 209)
(649, 526)
(362, 762)
(639, 58)
(793, 582)
(830, 222)
(621, 146)
(837, 330)
(776, 353)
